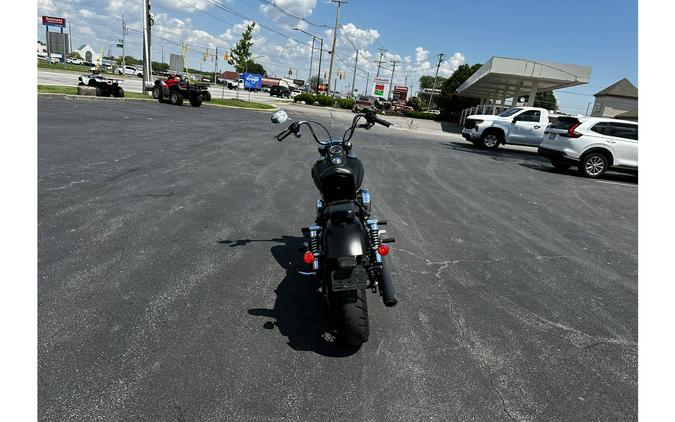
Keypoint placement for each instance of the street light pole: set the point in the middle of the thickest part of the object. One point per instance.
(311, 56)
(332, 50)
(318, 77)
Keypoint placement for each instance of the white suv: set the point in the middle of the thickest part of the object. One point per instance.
(594, 144)
(130, 70)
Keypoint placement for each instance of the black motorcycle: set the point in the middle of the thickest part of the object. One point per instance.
(344, 245)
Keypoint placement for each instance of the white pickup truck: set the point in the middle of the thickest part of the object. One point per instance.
(518, 125)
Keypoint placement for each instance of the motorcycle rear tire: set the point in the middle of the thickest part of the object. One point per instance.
(352, 316)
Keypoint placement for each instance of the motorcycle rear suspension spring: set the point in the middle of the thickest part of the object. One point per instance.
(374, 234)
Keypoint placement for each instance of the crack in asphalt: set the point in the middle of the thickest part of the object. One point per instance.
(464, 339)
(447, 263)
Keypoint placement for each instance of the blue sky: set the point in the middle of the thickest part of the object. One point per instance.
(601, 34)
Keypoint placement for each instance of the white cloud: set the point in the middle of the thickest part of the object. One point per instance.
(360, 38)
(299, 8)
(421, 55)
(184, 5)
(86, 13)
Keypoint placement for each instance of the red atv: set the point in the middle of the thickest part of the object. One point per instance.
(176, 88)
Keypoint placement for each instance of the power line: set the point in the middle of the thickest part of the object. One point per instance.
(287, 13)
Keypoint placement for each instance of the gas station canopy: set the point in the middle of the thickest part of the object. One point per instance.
(503, 77)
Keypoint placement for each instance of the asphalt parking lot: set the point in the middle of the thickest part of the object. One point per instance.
(168, 288)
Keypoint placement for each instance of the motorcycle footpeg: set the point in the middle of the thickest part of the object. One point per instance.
(388, 240)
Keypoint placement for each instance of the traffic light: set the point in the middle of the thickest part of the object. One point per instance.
(206, 54)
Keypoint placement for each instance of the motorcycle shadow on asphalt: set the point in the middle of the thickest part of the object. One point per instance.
(300, 311)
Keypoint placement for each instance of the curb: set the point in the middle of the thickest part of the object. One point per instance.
(71, 97)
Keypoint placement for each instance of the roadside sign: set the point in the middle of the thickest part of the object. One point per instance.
(380, 87)
(52, 21)
(252, 81)
(400, 93)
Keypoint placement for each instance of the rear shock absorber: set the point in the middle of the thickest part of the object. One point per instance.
(314, 246)
(375, 242)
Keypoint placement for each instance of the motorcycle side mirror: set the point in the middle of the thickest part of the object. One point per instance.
(279, 117)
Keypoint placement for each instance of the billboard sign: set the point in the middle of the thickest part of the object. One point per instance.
(52, 21)
(176, 63)
(400, 93)
(58, 42)
(252, 81)
(380, 87)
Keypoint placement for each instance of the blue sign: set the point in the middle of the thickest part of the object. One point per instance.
(252, 81)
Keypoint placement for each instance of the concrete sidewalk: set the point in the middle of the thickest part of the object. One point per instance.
(421, 126)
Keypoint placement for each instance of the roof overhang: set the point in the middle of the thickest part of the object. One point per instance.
(503, 76)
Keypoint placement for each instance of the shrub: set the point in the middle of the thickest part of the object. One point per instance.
(307, 98)
(324, 100)
(347, 103)
(421, 115)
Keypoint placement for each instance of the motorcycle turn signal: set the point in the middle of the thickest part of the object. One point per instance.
(383, 250)
(308, 257)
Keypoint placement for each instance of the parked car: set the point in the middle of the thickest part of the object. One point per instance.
(518, 126)
(593, 144)
(130, 70)
(280, 91)
(434, 112)
(363, 103)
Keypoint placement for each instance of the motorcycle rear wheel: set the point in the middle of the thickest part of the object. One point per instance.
(351, 309)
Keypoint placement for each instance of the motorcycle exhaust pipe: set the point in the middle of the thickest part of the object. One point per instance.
(387, 288)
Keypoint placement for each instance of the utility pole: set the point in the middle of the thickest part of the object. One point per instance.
(332, 50)
(379, 62)
(311, 59)
(391, 82)
(356, 63)
(147, 23)
(438, 66)
(215, 66)
(318, 76)
(365, 90)
(124, 32)
(70, 36)
(162, 54)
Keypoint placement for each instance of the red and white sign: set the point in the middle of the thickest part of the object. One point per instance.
(52, 21)
(380, 86)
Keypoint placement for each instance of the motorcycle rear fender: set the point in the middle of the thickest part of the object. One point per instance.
(344, 239)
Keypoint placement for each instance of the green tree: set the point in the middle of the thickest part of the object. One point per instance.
(427, 81)
(240, 54)
(415, 103)
(108, 57)
(545, 100)
(129, 60)
(450, 103)
(253, 67)
(159, 67)
(74, 55)
(314, 82)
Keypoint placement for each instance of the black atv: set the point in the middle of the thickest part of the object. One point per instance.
(175, 88)
(104, 87)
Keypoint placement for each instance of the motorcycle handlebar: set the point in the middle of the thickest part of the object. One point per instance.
(382, 122)
(280, 137)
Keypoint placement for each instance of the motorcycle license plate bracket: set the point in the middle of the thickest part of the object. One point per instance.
(348, 275)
